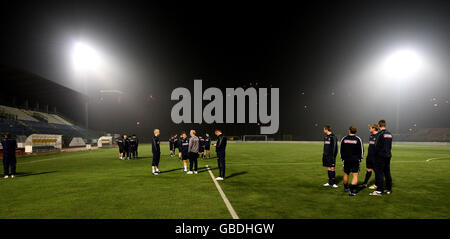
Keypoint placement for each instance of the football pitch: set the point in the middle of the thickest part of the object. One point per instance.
(264, 180)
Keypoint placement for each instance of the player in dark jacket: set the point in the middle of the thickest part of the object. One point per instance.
(201, 147)
(156, 152)
(137, 146)
(126, 147)
(352, 152)
(370, 159)
(9, 156)
(383, 146)
(172, 146)
(184, 150)
(175, 144)
(207, 145)
(179, 146)
(220, 145)
(120, 144)
(330, 150)
(132, 147)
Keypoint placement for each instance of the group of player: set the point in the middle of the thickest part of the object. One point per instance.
(352, 152)
(128, 147)
(189, 149)
(175, 143)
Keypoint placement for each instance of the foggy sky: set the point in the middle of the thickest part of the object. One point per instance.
(326, 50)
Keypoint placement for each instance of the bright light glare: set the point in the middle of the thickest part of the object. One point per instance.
(85, 57)
(402, 64)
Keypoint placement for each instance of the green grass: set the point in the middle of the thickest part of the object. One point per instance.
(265, 181)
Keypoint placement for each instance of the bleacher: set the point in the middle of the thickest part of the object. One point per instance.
(427, 135)
(14, 127)
(49, 118)
(56, 119)
(28, 122)
(21, 114)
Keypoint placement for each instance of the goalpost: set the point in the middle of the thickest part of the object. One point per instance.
(260, 137)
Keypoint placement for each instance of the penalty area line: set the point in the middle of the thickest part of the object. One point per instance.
(222, 194)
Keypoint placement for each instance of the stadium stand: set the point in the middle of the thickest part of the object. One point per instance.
(23, 122)
(427, 135)
(13, 127)
(59, 120)
(31, 104)
(20, 114)
(49, 118)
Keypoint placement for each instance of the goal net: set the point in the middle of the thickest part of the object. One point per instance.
(254, 138)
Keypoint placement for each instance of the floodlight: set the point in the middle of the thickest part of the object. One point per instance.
(85, 57)
(402, 64)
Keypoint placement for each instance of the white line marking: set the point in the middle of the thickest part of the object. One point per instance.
(268, 164)
(37, 161)
(428, 160)
(41, 160)
(304, 163)
(264, 164)
(224, 197)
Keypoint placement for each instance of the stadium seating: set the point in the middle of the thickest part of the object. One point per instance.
(426, 135)
(14, 127)
(49, 118)
(32, 122)
(21, 114)
(59, 120)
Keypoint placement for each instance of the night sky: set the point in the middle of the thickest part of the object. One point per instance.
(320, 56)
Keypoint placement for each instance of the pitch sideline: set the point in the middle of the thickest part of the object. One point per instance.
(428, 160)
(37, 161)
(222, 194)
(306, 163)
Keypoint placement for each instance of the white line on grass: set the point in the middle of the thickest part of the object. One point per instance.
(37, 161)
(40, 160)
(261, 164)
(428, 160)
(224, 197)
(304, 163)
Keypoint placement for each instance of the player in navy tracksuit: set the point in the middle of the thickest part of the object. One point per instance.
(201, 147)
(370, 159)
(156, 152)
(220, 145)
(120, 143)
(383, 146)
(330, 150)
(184, 149)
(137, 145)
(172, 146)
(179, 146)
(9, 146)
(132, 146)
(126, 147)
(352, 152)
(207, 145)
(175, 144)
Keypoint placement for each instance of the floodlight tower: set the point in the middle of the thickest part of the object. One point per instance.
(85, 60)
(401, 66)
